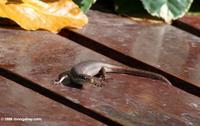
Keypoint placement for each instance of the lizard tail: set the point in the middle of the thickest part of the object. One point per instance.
(138, 72)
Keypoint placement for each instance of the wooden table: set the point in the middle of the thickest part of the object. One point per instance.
(189, 23)
(30, 60)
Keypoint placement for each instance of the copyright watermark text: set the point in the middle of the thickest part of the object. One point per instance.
(21, 119)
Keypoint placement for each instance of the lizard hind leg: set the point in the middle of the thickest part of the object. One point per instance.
(102, 73)
(98, 82)
(100, 78)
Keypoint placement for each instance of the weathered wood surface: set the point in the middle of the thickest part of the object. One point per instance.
(189, 23)
(192, 20)
(172, 51)
(127, 100)
(18, 103)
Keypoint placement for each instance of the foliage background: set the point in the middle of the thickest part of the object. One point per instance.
(166, 9)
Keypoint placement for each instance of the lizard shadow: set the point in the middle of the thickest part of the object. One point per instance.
(99, 82)
(68, 83)
(99, 79)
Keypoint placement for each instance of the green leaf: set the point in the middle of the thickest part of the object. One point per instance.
(167, 9)
(84, 4)
(129, 7)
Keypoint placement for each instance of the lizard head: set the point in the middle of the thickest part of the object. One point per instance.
(61, 78)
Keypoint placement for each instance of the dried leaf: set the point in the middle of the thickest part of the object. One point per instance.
(36, 14)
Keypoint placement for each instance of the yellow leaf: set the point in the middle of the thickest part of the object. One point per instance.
(37, 14)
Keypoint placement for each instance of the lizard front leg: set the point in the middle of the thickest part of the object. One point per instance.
(61, 78)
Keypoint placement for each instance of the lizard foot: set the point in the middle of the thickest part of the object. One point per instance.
(99, 82)
(99, 85)
(56, 82)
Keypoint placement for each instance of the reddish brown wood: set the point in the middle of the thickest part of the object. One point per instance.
(18, 102)
(171, 50)
(40, 56)
(189, 23)
(192, 20)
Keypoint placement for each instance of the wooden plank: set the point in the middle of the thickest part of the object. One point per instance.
(172, 52)
(189, 23)
(192, 20)
(127, 100)
(20, 106)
